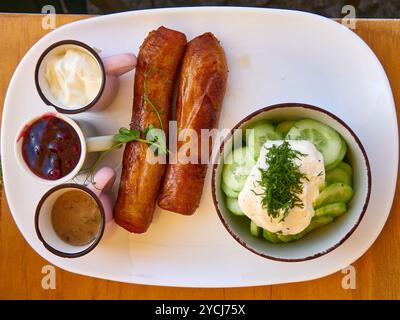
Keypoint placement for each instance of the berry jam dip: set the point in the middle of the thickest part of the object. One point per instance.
(51, 148)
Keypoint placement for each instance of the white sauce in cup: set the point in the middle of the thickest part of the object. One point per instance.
(74, 77)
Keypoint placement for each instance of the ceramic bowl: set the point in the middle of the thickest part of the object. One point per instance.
(320, 241)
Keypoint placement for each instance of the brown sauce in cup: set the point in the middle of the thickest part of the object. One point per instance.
(76, 217)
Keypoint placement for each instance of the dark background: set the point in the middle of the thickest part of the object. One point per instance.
(328, 8)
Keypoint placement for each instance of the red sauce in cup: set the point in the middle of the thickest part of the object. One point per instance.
(51, 147)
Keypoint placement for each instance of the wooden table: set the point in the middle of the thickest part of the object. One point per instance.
(377, 272)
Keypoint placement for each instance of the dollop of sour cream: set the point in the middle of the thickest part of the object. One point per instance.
(297, 219)
(74, 77)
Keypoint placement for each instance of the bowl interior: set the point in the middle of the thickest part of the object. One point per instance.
(322, 240)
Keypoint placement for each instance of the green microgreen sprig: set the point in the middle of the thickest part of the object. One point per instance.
(151, 136)
(148, 101)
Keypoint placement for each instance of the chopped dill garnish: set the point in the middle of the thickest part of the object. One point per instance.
(282, 182)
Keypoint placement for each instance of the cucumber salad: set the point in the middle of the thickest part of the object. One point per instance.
(290, 178)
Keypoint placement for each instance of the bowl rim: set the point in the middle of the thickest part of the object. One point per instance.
(274, 107)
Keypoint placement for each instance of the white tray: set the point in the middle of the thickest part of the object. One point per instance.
(274, 56)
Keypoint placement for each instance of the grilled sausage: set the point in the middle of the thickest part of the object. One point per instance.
(201, 91)
(158, 64)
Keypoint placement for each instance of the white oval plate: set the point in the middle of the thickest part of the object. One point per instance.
(274, 56)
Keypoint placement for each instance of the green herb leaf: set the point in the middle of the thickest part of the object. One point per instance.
(121, 138)
(125, 135)
(147, 129)
(156, 137)
(124, 131)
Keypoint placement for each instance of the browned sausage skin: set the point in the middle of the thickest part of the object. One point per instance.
(158, 63)
(201, 91)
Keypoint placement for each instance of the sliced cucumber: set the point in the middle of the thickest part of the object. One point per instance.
(338, 175)
(336, 192)
(285, 237)
(333, 210)
(321, 221)
(260, 132)
(342, 154)
(322, 186)
(254, 229)
(325, 139)
(237, 168)
(228, 191)
(346, 167)
(300, 235)
(284, 127)
(316, 222)
(233, 206)
(271, 237)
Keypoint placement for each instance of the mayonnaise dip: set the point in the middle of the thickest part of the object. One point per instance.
(297, 219)
(74, 77)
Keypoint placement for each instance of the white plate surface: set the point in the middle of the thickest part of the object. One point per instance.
(274, 56)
